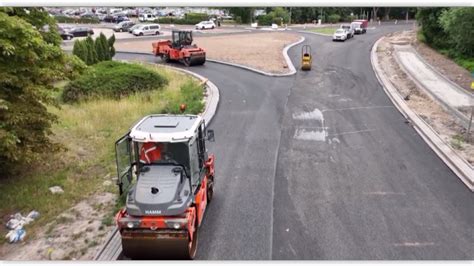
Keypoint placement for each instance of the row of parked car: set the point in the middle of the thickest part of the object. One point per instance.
(347, 31)
(137, 29)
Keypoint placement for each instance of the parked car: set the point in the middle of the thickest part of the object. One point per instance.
(124, 26)
(146, 17)
(81, 31)
(119, 19)
(109, 19)
(205, 25)
(350, 30)
(65, 35)
(136, 26)
(362, 28)
(147, 29)
(88, 15)
(340, 35)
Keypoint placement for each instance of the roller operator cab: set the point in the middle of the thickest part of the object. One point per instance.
(167, 176)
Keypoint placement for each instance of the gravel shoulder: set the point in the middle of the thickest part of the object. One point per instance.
(416, 98)
(262, 51)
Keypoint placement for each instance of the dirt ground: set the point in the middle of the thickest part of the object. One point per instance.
(262, 51)
(76, 234)
(432, 112)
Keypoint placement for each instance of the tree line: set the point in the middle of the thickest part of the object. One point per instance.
(326, 14)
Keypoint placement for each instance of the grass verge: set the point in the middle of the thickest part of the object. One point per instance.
(88, 131)
(328, 31)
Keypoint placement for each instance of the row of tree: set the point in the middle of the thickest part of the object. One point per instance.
(92, 52)
(326, 14)
(449, 29)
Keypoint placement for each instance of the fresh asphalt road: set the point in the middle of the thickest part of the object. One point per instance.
(321, 165)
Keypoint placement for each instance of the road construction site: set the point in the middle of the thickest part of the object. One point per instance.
(317, 164)
(321, 165)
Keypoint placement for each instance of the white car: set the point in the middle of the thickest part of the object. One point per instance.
(205, 25)
(146, 17)
(147, 29)
(340, 35)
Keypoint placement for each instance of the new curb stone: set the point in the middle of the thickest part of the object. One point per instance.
(448, 155)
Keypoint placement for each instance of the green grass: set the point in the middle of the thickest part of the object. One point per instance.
(328, 31)
(87, 131)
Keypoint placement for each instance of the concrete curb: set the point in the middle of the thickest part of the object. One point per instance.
(285, 55)
(450, 157)
(459, 116)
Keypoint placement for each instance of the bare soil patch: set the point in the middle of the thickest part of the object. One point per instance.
(421, 103)
(262, 51)
(76, 234)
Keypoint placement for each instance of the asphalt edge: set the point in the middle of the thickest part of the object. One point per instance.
(211, 104)
(451, 158)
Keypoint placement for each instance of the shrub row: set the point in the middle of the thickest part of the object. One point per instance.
(112, 79)
(189, 19)
(91, 52)
(64, 19)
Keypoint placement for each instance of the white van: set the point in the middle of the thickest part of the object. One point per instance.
(147, 29)
(146, 17)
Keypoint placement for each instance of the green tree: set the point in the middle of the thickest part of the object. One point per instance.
(100, 50)
(80, 50)
(40, 19)
(104, 46)
(458, 23)
(29, 64)
(91, 52)
(431, 29)
(244, 13)
(111, 42)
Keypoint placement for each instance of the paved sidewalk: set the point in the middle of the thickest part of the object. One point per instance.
(450, 95)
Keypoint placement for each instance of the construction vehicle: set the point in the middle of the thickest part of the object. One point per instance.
(180, 48)
(306, 57)
(167, 196)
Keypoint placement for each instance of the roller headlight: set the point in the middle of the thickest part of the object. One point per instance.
(130, 225)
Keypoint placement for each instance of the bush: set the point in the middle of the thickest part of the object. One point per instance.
(64, 19)
(91, 51)
(196, 16)
(432, 31)
(112, 79)
(191, 94)
(334, 18)
(178, 21)
(458, 23)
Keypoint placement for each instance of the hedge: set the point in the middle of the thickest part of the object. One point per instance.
(64, 19)
(112, 79)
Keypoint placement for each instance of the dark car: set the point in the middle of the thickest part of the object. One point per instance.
(124, 26)
(121, 19)
(64, 33)
(110, 19)
(81, 31)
